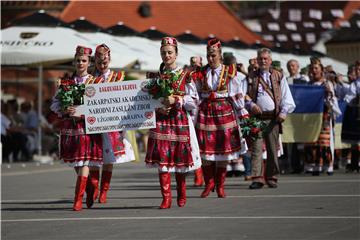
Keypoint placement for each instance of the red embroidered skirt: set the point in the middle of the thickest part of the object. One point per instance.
(76, 147)
(117, 143)
(324, 137)
(216, 128)
(169, 143)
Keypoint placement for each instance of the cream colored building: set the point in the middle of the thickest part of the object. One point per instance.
(345, 44)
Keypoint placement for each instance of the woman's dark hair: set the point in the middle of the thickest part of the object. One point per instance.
(162, 66)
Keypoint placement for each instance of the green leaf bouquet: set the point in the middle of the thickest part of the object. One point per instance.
(252, 128)
(70, 93)
(163, 85)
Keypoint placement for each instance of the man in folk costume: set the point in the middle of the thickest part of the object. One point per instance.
(116, 148)
(269, 98)
(218, 133)
(78, 149)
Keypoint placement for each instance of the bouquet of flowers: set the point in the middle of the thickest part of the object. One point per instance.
(252, 127)
(163, 85)
(70, 93)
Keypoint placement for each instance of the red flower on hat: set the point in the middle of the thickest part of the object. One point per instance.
(214, 43)
(169, 41)
(81, 50)
(102, 51)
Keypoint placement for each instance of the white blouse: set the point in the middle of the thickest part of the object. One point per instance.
(354, 90)
(266, 103)
(236, 89)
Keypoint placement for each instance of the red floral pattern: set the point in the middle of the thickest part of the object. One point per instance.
(117, 143)
(169, 143)
(216, 128)
(76, 146)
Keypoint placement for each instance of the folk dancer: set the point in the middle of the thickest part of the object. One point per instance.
(116, 148)
(321, 149)
(78, 149)
(172, 145)
(221, 100)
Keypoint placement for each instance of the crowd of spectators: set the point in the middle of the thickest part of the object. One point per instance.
(19, 131)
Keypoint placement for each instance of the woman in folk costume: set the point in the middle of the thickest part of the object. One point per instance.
(351, 123)
(78, 149)
(116, 149)
(322, 147)
(217, 130)
(172, 145)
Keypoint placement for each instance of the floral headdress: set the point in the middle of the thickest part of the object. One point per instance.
(168, 41)
(102, 52)
(213, 44)
(81, 50)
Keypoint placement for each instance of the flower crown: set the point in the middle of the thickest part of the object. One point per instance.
(213, 44)
(102, 51)
(168, 41)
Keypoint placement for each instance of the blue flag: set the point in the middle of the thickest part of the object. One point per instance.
(304, 124)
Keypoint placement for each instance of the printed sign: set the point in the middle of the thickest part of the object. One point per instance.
(110, 107)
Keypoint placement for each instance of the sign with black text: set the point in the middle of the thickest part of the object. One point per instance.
(118, 106)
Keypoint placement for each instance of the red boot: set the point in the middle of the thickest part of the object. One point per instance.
(79, 192)
(181, 189)
(165, 185)
(198, 180)
(92, 188)
(220, 182)
(95, 175)
(209, 180)
(105, 185)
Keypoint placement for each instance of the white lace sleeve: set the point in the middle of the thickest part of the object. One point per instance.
(191, 97)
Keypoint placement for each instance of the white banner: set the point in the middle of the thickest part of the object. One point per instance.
(111, 107)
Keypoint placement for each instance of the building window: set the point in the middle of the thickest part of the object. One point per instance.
(144, 10)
